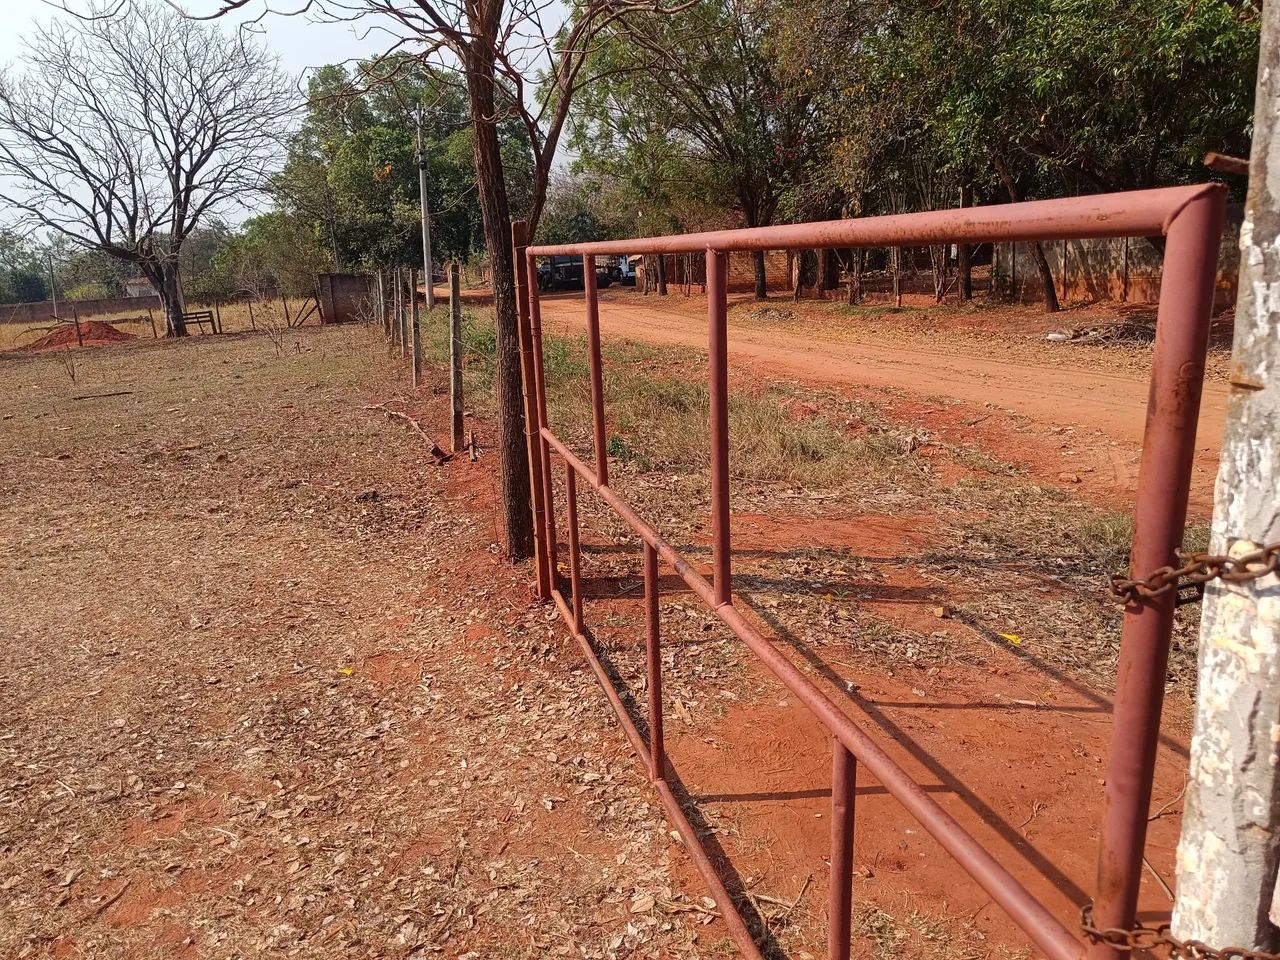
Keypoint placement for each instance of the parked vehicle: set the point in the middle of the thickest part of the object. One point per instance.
(565, 273)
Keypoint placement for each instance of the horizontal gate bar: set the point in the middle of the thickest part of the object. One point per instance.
(1138, 213)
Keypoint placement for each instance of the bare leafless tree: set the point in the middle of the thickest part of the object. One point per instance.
(131, 124)
(521, 59)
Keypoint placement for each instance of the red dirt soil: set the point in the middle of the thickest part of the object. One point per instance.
(93, 333)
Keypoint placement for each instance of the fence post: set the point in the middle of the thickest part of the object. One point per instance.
(1164, 480)
(718, 361)
(217, 314)
(844, 775)
(653, 658)
(406, 308)
(397, 302)
(75, 318)
(151, 317)
(417, 330)
(525, 290)
(540, 408)
(597, 369)
(1228, 853)
(455, 352)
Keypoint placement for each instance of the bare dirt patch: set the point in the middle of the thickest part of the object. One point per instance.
(249, 712)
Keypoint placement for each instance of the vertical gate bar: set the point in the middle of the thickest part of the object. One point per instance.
(844, 776)
(575, 566)
(1164, 481)
(718, 375)
(653, 650)
(522, 266)
(544, 448)
(597, 371)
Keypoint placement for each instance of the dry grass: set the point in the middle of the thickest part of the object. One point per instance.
(657, 403)
(1016, 556)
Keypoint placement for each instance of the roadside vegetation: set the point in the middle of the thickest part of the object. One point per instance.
(1016, 557)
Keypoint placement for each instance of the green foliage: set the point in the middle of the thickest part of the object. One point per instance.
(89, 291)
(1072, 96)
(22, 269)
(272, 253)
(352, 172)
(578, 210)
(24, 286)
(692, 116)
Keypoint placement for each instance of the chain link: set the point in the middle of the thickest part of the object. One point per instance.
(1151, 939)
(1196, 570)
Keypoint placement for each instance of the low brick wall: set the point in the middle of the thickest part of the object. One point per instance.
(1122, 270)
(42, 311)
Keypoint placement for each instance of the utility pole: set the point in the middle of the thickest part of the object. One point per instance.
(1230, 847)
(426, 217)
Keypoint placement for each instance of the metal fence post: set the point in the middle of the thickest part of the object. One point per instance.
(653, 658)
(718, 381)
(1164, 481)
(597, 369)
(540, 409)
(844, 775)
(519, 241)
(575, 552)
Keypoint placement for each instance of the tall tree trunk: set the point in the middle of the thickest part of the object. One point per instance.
(163, 276)
(762, 279)
(491, 189)
(963, 250)
(662, 274)
(1037, 251)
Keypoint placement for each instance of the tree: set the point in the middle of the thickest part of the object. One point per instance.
(703, 82)
(572, 213)
(274, 253)
(23, 269)
(495, 47)
(1033, 98)
(131, 126)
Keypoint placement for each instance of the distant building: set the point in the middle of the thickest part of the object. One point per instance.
(139, 287)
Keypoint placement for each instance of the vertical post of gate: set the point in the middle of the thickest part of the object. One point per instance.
(844, 775)
(653, 652)
(597, 370)
(540, 393)
(718, 389)
(575, 555)
(1164, 481)
(519, 241)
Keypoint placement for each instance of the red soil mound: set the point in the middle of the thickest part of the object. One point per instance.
(92, 333)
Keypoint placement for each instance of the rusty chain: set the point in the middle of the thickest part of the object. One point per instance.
(1196, 570)
(1150, 939)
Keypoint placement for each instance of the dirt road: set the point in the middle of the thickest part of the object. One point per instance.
(1043, 390)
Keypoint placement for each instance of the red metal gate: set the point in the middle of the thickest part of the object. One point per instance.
(1190, 218)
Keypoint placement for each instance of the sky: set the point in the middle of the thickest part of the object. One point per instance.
(300, 44)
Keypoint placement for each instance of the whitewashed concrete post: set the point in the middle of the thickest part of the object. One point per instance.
(1230, 848)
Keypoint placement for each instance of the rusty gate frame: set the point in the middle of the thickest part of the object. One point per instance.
(1190, 219)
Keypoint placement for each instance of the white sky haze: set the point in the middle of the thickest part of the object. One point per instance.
(301, 44)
